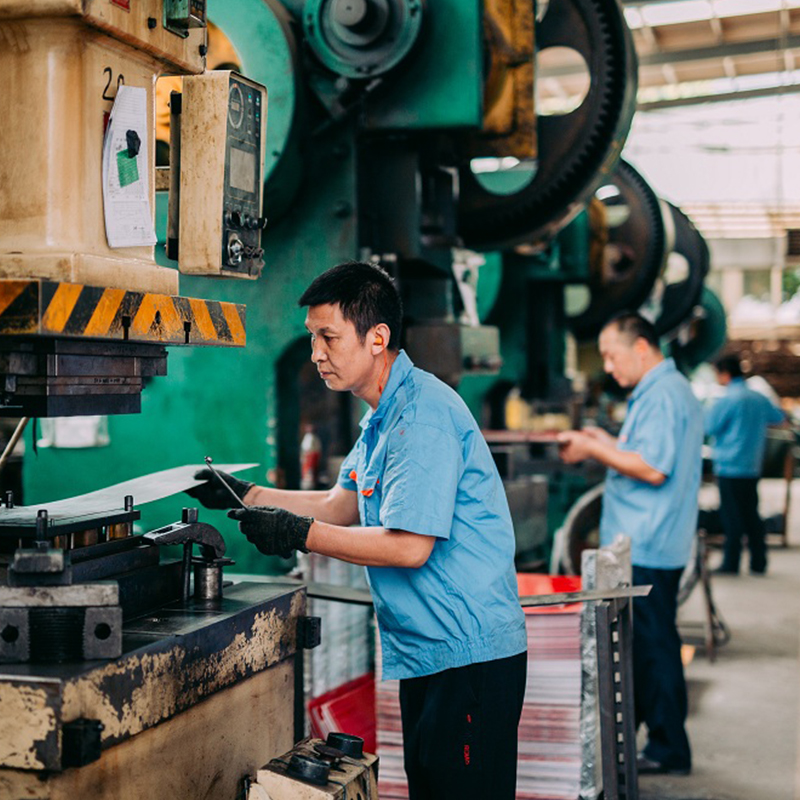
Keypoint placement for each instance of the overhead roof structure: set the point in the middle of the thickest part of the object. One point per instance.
(694, 51)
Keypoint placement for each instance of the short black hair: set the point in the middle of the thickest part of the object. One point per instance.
(635, 326)
(730, 364)
(366, 294)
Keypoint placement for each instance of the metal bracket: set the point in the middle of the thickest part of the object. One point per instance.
(81, 742)
(309, 632)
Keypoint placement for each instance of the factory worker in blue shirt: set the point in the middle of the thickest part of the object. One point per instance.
(737, 423)
(650, 495)
(435, 534)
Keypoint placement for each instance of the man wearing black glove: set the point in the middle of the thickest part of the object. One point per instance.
(212, 494)
(434, 532)
(273, 531)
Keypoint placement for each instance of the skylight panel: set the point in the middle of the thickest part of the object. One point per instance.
(676, 11)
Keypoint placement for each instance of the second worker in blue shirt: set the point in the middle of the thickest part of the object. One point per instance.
(738, 424)
(435, 535)
(650, 496)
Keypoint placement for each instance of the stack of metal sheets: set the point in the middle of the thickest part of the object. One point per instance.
(549, 732)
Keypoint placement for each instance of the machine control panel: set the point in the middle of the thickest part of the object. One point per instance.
(241, 217)
(222, 139)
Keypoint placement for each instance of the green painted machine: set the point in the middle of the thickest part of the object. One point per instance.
(411, 133)
(382, 116)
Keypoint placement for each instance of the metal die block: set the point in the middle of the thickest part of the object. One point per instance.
(14, 635)
(78, 595)
(102, 632)
(80, 386)
(162, 674)
(349, 777)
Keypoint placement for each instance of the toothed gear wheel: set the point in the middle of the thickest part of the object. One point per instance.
(634, 255)
(682, 296)
(576, 150)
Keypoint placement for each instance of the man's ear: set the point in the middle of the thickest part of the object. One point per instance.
(381, 337)
(642, 346)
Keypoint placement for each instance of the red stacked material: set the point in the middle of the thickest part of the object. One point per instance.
(349, 708)
(549, 731)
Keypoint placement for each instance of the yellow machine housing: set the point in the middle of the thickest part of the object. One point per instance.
(61, 64)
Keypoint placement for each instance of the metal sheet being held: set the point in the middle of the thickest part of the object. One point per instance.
(111, 500)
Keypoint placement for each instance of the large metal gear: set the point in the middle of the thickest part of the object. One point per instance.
(634, 254)
(682, 296)
(575, 150)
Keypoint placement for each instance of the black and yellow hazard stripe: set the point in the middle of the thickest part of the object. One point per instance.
(47, 308)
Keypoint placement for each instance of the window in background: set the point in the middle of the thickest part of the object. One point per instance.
(757, 283)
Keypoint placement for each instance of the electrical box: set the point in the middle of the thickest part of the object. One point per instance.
(218, 134)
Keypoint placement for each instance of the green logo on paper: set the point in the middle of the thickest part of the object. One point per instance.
(128, 168)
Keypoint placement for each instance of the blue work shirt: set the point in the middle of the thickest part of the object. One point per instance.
(421, 465)
(738, 423)
(664, 425)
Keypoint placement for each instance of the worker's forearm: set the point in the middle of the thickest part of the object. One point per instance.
(317, 504)
(369, 547)
(626, 463)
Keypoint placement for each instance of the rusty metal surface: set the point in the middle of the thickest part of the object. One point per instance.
(47, 308)
(171, 660)
(201, 753)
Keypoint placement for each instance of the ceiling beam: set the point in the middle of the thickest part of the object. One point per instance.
(747, 94)
(717, 52)
(775, 44)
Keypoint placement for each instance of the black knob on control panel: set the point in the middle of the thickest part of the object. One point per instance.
(233, 219)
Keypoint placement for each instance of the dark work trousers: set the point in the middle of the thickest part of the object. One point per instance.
(460, 731)
(738, 510)
(659, 687)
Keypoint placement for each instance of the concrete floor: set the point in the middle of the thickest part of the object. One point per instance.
(744, 708)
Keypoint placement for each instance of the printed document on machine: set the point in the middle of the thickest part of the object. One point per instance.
(126, 196)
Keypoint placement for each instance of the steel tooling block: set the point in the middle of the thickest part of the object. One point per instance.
(47, 308)
(172, 659)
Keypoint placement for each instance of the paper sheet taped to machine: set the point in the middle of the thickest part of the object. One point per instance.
(146, 489)
(126, 191)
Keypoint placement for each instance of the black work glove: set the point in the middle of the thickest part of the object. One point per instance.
(212, 494)
(274, 531)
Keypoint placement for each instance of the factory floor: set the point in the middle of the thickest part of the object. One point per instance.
(744, 707)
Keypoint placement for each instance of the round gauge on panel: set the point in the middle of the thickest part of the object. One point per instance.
(235, 105)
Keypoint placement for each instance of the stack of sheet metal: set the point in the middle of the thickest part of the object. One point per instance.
(549, 731)
(392, 783)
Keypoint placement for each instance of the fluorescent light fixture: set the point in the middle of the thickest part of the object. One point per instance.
(677, 11)
(719, 86)
(633, 17)
(735, 8)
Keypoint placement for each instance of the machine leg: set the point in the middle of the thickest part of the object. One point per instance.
(299, 695)
(615, 689)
